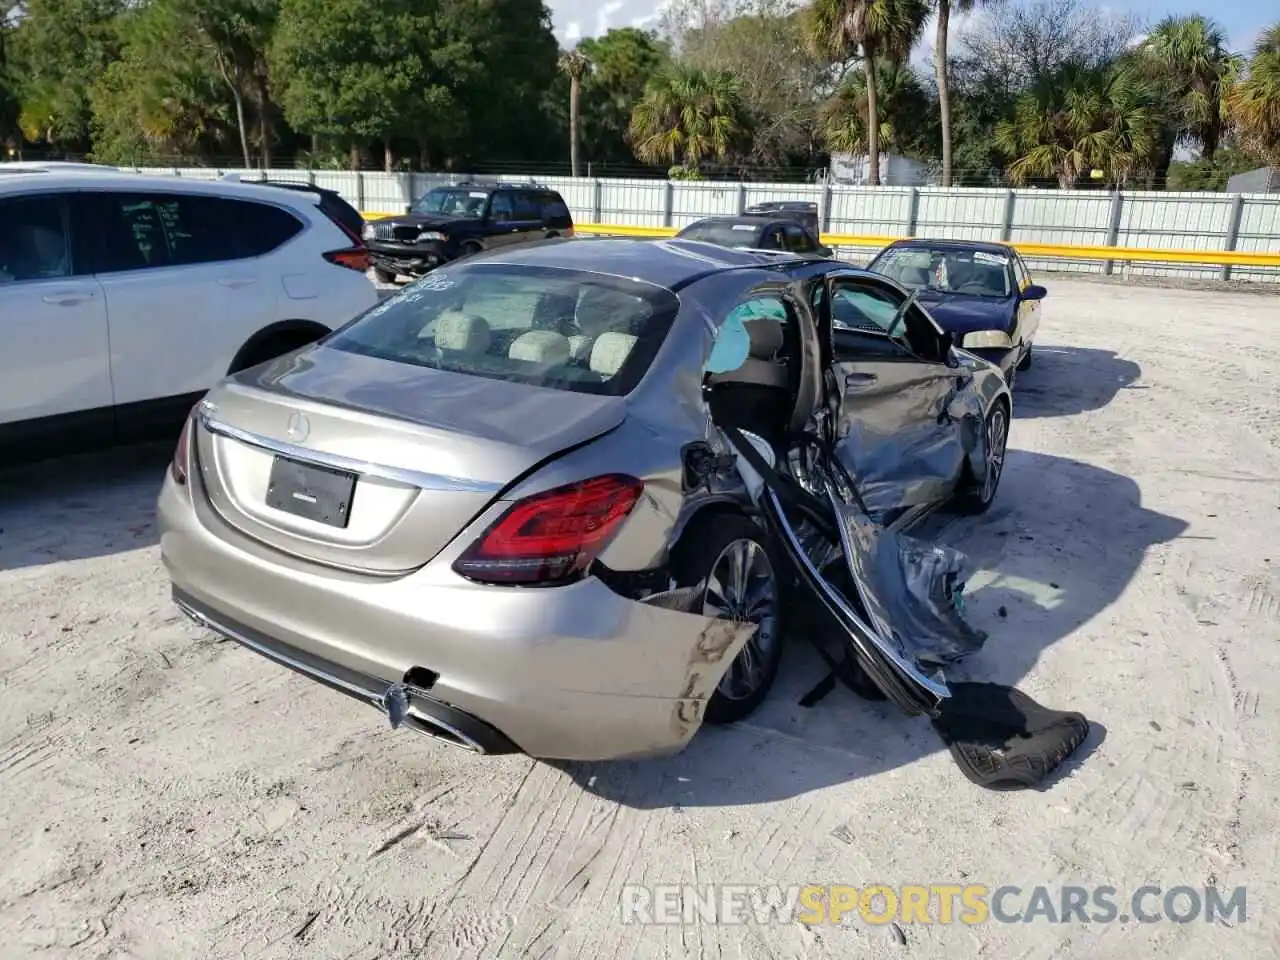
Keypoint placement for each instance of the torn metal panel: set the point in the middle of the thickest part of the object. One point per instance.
(710, 652)
(913, 592)
(909, 440)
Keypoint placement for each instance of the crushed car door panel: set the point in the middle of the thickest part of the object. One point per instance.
(896, 432)
(840, 566)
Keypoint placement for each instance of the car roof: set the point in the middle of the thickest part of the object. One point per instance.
(982, 246)
(483, 183)
(47, 180)
(667, 263)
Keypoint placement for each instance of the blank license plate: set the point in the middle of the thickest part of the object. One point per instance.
(309, 491)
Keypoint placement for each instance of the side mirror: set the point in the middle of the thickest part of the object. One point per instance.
(1034, 292)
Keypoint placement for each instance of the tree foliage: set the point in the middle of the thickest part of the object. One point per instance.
(689, 118)
(1043, 91)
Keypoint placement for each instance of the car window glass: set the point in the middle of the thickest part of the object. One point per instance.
(952, 270)
(798, 240)
(862, 308)
(509, 322)
(451, 202)
(33, 240)
(260, 227)
(526, 206)
(141, 231)
(1020, 271)
(502, 210)
(553, 207)
(746, 333)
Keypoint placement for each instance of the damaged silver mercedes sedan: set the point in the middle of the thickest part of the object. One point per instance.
(561, 500)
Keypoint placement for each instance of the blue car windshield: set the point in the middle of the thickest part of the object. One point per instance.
(950, 270)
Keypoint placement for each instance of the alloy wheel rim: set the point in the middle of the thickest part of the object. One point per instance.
(997, 438)
(743, 587)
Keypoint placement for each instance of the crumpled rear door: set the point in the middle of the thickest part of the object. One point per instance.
(895, 600)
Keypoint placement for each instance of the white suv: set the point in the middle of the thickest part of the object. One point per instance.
(123, 298)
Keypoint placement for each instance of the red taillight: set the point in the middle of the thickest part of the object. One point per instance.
(354, 258)
(182, 454)
(552, 537)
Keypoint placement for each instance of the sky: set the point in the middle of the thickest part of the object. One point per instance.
(1242, 19)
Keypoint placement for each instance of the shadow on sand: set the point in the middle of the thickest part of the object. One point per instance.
(1065, 381)
(80, 507)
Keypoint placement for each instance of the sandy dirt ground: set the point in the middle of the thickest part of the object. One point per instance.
(164, 794)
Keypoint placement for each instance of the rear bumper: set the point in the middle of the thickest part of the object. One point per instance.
(426, 714)
(575, 673)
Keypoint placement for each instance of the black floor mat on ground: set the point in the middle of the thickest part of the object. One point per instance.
(1002, 739)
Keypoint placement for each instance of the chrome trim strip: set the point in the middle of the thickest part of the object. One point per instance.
(422, 725)
(356, 691)
(414, 478)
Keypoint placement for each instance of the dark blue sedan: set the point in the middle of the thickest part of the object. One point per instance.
(980, 293)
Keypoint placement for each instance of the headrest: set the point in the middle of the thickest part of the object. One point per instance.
(544, 347)
(462, 332)
(766, 338)
(599, 310)
(610, 352)
(580, 346)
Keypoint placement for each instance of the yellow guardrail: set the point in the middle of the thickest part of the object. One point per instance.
(1215, 258)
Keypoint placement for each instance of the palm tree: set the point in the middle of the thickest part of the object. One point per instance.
(904, 110)
(1254, 100)
(841, 29)
(1188, 58)
(1082, 119)
(576, 66)
(940, 64)
(688, 116)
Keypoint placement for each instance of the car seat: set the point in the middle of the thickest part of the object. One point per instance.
(462, 334)
(609, 352)
(599, 311)
(546, 348)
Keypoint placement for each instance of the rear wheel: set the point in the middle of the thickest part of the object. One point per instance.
(384, 276)
(470, 248)
(742, 577)
(1025, 362)
(978, 497)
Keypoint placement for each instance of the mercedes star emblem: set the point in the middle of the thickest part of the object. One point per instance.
(298, 427)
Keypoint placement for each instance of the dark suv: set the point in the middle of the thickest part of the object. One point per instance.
(451, 222)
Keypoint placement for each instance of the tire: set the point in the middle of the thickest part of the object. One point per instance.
(705, 553)
(384, 276)
(1026, 361)
(977, 498)
(470, 248)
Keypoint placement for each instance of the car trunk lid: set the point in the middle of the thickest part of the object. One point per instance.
(372, 465)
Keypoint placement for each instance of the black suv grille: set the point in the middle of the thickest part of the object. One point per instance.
(395, 231)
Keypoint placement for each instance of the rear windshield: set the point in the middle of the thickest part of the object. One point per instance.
(724, 234)
(564, 329)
